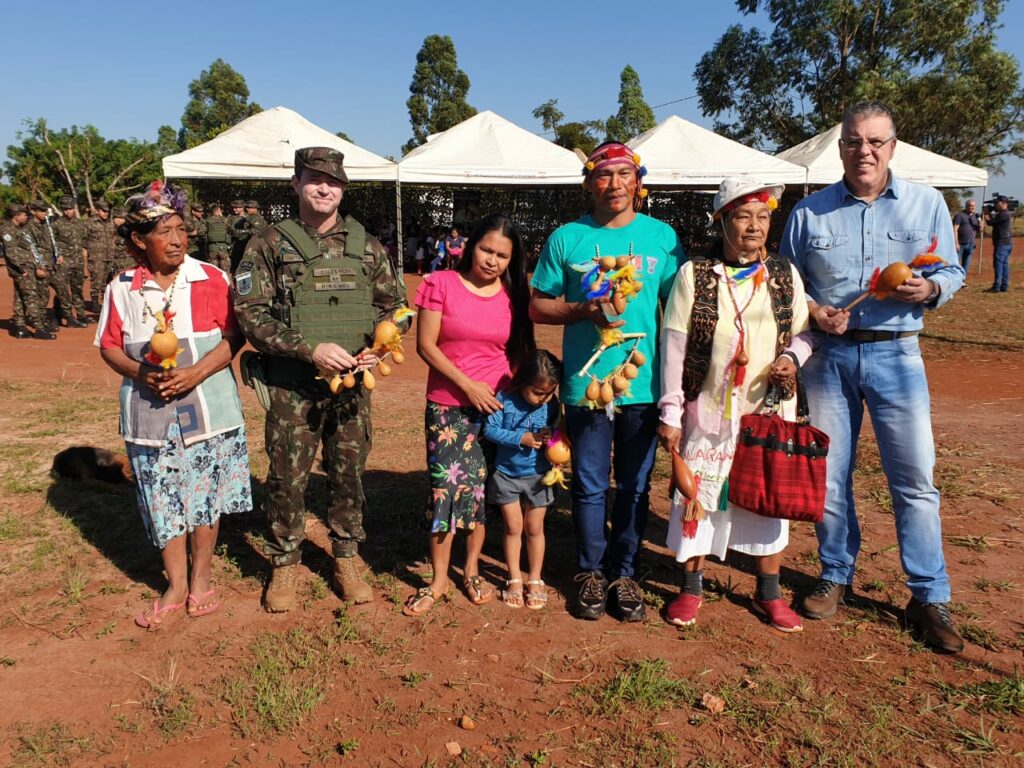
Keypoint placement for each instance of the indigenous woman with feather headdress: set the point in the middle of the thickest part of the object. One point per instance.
(169, 329)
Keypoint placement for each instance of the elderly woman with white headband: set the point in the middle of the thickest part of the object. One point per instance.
(733, 323)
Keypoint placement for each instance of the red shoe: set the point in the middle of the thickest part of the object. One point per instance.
(682, 612)
(779, 615)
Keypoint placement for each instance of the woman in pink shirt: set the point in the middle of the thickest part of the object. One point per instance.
(473, 330)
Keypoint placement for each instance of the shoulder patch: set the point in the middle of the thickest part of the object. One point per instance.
(243, 278)
(7, 236)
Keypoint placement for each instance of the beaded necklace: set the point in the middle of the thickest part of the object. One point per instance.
(147, 311)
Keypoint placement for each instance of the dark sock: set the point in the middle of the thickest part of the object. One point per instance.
(768, 586)
(692, 583)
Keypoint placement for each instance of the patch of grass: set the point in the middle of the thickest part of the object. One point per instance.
(1002, 697)
(10, 527)
(413, 679)
(979, 635)
(976, 742)
(49, 745)
(173, 706)
(986, 585)
(641, 685)
(973, 543)
(316, 588)
(72, 584)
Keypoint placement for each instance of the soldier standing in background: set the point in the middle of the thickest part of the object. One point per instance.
(99, 246)
(240, 229)
(218, 239)
(308, 293)
(122, 259)
(24, 265)
(70, 233)
(41, 232)
(252, 212)
(195, 228)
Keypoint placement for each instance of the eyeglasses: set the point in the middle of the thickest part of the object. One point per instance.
(854, 145)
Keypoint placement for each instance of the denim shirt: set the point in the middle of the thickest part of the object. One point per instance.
(505, 428)
(837, 240)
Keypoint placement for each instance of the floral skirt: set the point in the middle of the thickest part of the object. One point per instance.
(457, 466)
(181, 487)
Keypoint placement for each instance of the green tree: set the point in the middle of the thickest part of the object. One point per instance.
(634, 116)
(549, 115)
(933, 61)
(583, 136)
(219, 98)
(438, 89)
(343, 135)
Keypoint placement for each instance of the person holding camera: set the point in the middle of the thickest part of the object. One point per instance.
(1000, 220)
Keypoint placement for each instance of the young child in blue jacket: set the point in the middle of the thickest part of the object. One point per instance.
(519, 430)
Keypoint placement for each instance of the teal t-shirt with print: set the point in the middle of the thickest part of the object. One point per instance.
(568, 254)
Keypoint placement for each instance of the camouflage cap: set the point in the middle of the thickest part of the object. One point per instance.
(15, 208)
(238, 204)
(38, 205)
(198, 207)
(252, 204)
(117, 212)
(102, 205)
(67, 202)
(324, 159)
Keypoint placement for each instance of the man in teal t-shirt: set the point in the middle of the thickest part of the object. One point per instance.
(613, 177)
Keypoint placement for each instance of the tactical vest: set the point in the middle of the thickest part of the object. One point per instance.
(332, 298)
(217, 232)
(704, 316)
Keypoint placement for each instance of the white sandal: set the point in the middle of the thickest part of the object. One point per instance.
(513, 597)
(537, 597)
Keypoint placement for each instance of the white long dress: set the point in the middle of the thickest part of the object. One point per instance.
(711, 423)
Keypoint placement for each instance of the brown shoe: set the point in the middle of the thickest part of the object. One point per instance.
(934, 625)
(280, 596)
(824, 601)
(349, 581)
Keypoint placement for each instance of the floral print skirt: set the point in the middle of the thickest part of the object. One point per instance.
(181, 487)
(457, 466)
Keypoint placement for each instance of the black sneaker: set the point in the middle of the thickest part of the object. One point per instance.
(934, 625)
(19, 332)
(627, 599)
(74, 322)
(44, 335)
(592, 596)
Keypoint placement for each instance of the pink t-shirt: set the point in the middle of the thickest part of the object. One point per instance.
(474, 334)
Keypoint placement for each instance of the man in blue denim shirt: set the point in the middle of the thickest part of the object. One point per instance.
(837, 238)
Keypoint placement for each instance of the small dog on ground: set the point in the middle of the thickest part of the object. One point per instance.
(86, 462)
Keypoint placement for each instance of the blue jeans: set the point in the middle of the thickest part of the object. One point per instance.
(1001, 266)
(889, 377)
(964, 253)
(633, 434)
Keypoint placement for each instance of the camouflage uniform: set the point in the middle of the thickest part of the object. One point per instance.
(56, 279)
(22, 259)
(195, 228)
(99, 242)
(218, 242)
(256, 221)
(240, 229)
(70, 235)
(302, 410)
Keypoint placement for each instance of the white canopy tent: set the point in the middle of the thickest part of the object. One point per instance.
(488, 150)
(263, 147)
(678, 153)
(819, 155)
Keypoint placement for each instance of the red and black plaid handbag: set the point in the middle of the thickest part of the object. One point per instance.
(779, 466)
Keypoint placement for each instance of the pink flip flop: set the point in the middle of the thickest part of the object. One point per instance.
(196, 612)
(154, 617)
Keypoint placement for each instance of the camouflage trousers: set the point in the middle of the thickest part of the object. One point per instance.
(57, 279)
(300, 418)
(99, 276)
(220, 258)
(76, 285)
(26, 305)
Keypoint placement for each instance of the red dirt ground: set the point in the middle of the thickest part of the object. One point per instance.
(394, 698)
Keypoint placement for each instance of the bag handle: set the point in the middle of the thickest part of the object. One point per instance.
(774, 396)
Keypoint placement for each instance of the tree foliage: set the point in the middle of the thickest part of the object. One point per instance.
(549, 115)
(78, 161)
(933, 61)
(634, 116)
(438, 89)
(583, 135)
(219, 98)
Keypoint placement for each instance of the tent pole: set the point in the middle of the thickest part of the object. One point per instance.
(399, 239)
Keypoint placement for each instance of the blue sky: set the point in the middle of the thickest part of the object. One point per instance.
(125, 67)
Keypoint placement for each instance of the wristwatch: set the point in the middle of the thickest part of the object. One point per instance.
(935, 292)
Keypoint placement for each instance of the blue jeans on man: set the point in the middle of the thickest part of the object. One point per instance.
(1001, 266)
(633, 434)
(964, 253)
(889, 377)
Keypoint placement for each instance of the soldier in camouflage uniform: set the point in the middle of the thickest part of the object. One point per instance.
(24, 264)
(252, 213)
(70, 232)
(240, 229)
(308, 293)
(99, 245)
(40, 228)
(195, 228)
(218, 239)
(122, 259)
